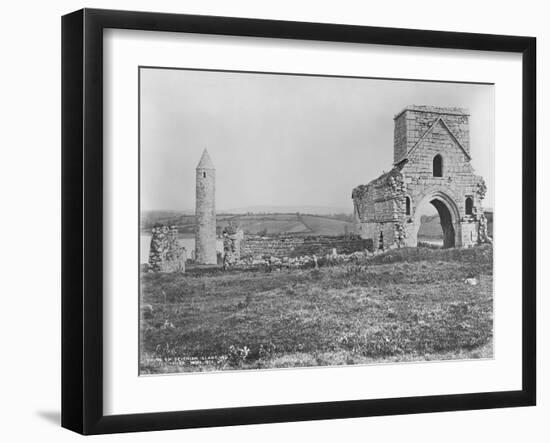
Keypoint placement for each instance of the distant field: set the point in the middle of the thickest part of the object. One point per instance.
(431, 227)
(405, 305)
(292, 223)
(326, 226)
(276, 224)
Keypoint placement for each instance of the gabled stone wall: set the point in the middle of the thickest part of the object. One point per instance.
(413, 121)
(458, 180)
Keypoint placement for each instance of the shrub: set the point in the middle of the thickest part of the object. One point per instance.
(267, 350)
(236, 356)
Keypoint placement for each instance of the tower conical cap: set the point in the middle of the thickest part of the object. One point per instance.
(205, 161)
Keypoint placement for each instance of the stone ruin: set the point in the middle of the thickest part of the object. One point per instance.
(252, 250)
(232, 238)
(431, 165)
(165, 253)
(292, 246)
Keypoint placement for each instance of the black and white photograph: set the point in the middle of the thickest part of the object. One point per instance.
(275, 221)
(295, 221)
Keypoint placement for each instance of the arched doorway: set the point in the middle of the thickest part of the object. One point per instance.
(446, 209)
(446, 223)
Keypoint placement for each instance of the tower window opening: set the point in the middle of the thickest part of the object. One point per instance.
(438, 166)
(204, 175)
(469, 205)
(407, 206)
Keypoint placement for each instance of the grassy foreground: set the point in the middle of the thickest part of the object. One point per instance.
(404, 305)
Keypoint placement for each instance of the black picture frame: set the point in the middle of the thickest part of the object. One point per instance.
(82, 220)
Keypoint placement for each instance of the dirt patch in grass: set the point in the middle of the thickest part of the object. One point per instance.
(406, 305)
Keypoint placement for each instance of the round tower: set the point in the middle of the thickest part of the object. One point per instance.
(205, 211)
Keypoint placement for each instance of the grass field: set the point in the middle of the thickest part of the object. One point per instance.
(404, 305)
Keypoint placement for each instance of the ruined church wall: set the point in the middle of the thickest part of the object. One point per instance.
(381, 200)
(400, 145)
(469, 233)
(372, 230)
(166, 254)
(380, 207)
(296, 246)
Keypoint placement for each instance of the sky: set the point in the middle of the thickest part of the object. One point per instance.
(285, 140)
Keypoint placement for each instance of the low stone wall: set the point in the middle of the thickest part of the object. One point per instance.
(301, 262)
(297, 246)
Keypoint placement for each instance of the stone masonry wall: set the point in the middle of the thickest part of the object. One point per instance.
(165, 252)
(380, 209)
(400, 137)
(382, 235)
(232, 238)
(295, 246)
(458, 181)
(414, 121)
(381, 200)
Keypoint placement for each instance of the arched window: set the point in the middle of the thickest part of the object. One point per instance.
(469, 205)
(204, 175)
(407, 206)
(438, 166)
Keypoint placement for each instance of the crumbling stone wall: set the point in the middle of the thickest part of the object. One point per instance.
(422, 133)
(232, 238)
(296, 246)
(165, 253)
(379, 208)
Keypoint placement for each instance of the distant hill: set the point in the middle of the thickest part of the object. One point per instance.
(268, 223)
(296, 223)
(266, 209)
(431, 226)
